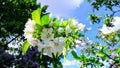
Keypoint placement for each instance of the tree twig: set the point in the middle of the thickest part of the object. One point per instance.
(115, 12)
(5, 45)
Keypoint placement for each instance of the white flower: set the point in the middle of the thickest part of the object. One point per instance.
(113, 55)
(68, 30)
(58, 45)
(40, 46)
(49, 44)
(29, 26)
(33, 41)
(107, 30)
(81, 26)
(47, 34)
(48, 49)
(77, 41)
(28, 32)
(77, 25)
(51, 23)
(60, 30)
(51, 47)
(27, 36)
(75, 22)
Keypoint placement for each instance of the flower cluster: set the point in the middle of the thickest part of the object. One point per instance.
(28, 32)
(50, 36)
(49, 42)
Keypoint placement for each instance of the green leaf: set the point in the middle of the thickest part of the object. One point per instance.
(84, 58)
(36, 15)
(106, 21)
(66, 52)
(45, 19)
(100, 54)
(118, 35)
(25, 47)
(64, 23)
(81, 35)
(110, 7)
(104, 48)
(118, 50)
(44, 8)
(75, 55)
(39, 27)
(55, 22)
(41, 54)
(88, 0)
(117, 59)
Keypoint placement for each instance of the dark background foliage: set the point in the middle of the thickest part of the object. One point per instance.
(13, 16)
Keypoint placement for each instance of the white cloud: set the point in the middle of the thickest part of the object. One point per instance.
(71, 63)
(61, 8)
(116, 27)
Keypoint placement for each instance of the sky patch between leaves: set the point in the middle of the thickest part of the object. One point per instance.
(61, 8)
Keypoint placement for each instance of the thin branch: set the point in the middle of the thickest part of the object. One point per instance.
(109, 58)
(12, 39)
(115, 12)
(112, 65)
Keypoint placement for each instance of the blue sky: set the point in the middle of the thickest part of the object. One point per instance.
(78, 9)
(70, 8)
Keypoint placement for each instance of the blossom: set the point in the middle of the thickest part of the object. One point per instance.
(40, 47)
(33, 41)
(60, 30)
(58, 45)
(52, 46)
(77, 25)
(48, 42)
(84, 44)
(81, 26)
(107, 30)
(47, 49)
(75, 22)
(47, 34)
(29, 27)
(28, 32)
(68, 30)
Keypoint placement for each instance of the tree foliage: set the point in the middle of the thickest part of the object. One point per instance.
(15, 13)
(110, 5)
